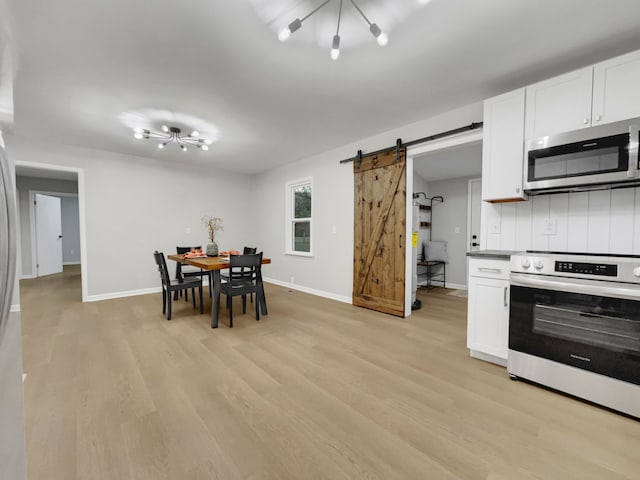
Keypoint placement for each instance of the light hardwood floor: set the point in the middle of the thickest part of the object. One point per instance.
(316, 390)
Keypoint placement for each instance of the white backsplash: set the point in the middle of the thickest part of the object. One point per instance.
(605, 221)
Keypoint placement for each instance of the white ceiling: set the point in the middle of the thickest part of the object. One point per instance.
(453, 162)
(87, 70)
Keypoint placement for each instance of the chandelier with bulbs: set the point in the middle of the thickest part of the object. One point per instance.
(375, 30)
(173, 135)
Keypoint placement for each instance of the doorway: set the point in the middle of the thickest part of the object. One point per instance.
(450, 169)
(39, 183)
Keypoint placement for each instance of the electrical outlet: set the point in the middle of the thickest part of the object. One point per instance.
(456, 230)
(293, 280)
(550, 226)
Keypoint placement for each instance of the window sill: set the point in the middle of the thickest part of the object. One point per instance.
(300, 254)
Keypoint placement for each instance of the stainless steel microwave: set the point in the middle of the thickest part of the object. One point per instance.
(602, 156)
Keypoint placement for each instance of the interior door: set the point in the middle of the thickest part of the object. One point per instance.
(473, 214)
(379, 232)
(48, 234)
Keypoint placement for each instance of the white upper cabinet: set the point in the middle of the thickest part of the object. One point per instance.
(503, 147)
(560, 104)
(615, 89)
(603, 93)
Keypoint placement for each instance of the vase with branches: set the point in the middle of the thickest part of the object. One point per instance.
(214, 225)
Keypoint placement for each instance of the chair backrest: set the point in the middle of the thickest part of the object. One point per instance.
(249, 250)
(180, 251)
(436, 251)
(244, 268)
(162, 267)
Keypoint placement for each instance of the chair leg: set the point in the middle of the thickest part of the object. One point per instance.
(164, 301)
(169, 313)
(230, 306)
(257, 308)
(193, 296)
(444, 275)
(244, 304)
(186, 294)
(201, 307)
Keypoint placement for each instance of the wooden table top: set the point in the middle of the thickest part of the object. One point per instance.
(208, 263)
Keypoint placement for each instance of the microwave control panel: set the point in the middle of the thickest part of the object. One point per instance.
(603, 269)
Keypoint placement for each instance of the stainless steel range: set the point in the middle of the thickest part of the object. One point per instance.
(574, 325)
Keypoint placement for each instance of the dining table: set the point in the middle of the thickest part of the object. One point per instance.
(214, 265)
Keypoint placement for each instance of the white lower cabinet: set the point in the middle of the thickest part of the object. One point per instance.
(488, 309)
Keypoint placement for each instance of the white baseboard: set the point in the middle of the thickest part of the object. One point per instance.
(128, 293)
(15, 308)
(146, 291)
(71, 263)
(457, 286)
(27, 277)
(312, 291)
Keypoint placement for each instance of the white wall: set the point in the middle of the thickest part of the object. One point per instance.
(24, 185)
(136, 205)
(330, 271)
(70, 230)
(448, 216)
(605, 221)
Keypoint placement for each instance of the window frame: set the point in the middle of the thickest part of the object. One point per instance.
(290, 188)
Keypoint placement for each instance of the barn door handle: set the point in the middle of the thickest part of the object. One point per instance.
(60, 236)
(400, 240)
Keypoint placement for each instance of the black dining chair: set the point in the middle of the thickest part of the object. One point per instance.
(244, 279)
(245, 251)
(186, 271)
(170, 286)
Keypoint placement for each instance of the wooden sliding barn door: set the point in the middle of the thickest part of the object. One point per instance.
(379, 232)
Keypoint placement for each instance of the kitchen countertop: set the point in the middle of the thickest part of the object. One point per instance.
(499, 254)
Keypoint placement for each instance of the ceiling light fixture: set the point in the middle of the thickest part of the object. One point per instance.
(335, 46)
(173, 135)
(375, 30)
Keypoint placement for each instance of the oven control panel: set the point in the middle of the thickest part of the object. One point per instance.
(604, 269)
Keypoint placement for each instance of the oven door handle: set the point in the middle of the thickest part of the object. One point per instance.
(634, 158)
(577, 285)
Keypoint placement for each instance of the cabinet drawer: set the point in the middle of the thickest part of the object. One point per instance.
(489, 268)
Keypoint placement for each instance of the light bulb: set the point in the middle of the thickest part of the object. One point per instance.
(162, 145)
(205, 147)
(138, 135)
(194, 134)
(138, 130)
(183, 148)
(207, 141)
(165, 128)
(284, 34)
(383, 39)
(335, 47)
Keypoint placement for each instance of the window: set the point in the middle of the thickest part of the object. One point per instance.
(299, 223)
